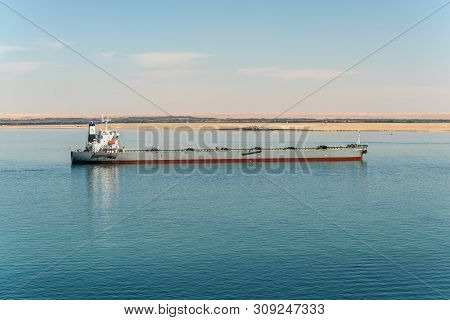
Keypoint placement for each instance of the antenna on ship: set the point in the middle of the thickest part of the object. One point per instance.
(358, 142)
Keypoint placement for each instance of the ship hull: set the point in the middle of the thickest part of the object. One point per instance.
(329, 154)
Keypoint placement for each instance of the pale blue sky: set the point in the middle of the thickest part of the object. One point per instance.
(224, 56)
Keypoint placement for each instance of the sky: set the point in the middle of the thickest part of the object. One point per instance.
(224, 57)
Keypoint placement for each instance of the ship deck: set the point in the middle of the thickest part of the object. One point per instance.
(246, 149)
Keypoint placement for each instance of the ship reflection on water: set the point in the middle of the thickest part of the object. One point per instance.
(103, 185)
(103, 181)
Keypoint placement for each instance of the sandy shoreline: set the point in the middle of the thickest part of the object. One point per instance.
(320, 126)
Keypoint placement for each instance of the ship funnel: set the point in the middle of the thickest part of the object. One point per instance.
(92, 134)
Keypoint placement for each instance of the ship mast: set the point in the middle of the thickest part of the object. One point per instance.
(105, 121)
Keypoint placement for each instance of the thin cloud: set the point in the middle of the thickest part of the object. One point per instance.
(54, 45)
(171, 73)
(290, 74)
(166, 59)
(106, 56)
(49, 43)
(6, 49)
(20, 67)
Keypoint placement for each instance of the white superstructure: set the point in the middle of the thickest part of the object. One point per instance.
(102, 140)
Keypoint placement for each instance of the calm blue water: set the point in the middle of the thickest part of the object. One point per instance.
(373, 230)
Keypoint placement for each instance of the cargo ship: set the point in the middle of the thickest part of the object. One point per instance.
(103, 147)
